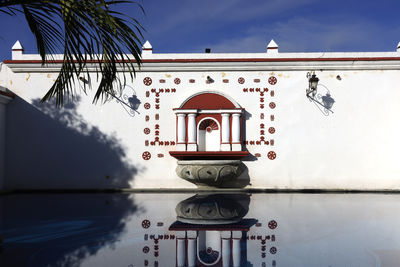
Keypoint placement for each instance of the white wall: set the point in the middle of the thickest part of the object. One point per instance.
(101, 146)
(2, 143)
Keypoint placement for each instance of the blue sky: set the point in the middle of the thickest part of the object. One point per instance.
(248, 26)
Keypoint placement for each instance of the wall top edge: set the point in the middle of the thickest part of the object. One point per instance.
(386, 63)
(169, 56)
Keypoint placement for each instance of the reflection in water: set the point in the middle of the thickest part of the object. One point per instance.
(210, 230)
(201, 230)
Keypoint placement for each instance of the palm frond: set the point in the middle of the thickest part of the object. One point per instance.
(86, 31)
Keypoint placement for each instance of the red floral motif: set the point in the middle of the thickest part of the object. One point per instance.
(146, 130)
(257, 155)
(162, 81)
(272, 105)
(147, 81)
(256, 80)
(272, 80)
(192, 81)
(146, 155)
(225, 81)
(272, 224)
(272, 117)
(177, 81)
(241, 80)
(146, 105)
(272, 93)
(271, 155)
(272, 250)
(271, 130)
(146, 249)
(146, 224)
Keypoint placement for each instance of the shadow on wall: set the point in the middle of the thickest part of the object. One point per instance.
(62, 229)
(49, 147)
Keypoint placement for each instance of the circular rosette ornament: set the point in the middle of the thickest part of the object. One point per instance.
(146, 155)
(271, 155)
(272, 80)
(147, 81)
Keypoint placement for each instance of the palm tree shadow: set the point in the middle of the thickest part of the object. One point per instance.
(52, 148)
(55, 148)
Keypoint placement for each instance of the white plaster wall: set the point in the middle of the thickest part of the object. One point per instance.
(353, 148)
(2, 143)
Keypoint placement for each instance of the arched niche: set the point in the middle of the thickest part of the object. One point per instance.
(212, 108)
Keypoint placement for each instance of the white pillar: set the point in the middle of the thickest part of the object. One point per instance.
(180, 252)
(225, 132)
(236, 252)
(236, 142)
(192, 252)
(181, 132)
(192, 133)
(226, 252)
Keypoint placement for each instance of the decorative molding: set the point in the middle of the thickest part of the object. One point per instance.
(235, 62)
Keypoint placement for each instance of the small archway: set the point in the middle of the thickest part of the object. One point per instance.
(208, 135)
(209, 121)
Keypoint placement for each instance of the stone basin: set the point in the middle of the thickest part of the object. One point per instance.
(209, 172)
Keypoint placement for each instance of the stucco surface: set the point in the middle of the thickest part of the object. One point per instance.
(87, 145)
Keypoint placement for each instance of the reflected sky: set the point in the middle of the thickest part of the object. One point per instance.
(131, 230)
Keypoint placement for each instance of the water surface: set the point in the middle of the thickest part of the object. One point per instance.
(131, 230)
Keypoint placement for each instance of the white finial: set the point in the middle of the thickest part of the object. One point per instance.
(272, 47)
(17, 46)
(147, 46)
(147, 49)
(398, 47)
(17, 50)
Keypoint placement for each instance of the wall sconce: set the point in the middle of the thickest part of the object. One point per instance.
(312, 84)
(325, 101)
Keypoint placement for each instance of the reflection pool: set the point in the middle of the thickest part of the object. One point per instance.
(143, 229)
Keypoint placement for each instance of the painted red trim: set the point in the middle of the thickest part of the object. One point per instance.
(17, 49)
(195, 60)
(268, 48)
(12, 95)
(197, 155)
(147, 49)
(206, 109)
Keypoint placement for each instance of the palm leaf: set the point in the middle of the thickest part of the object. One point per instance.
(85, 31)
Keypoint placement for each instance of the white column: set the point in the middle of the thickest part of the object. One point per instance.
(236, 252)
(236, 142)
(192, 133)
(225, 132)
(181, 132)
(192, 252)
(180, 252)
(226, 252)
